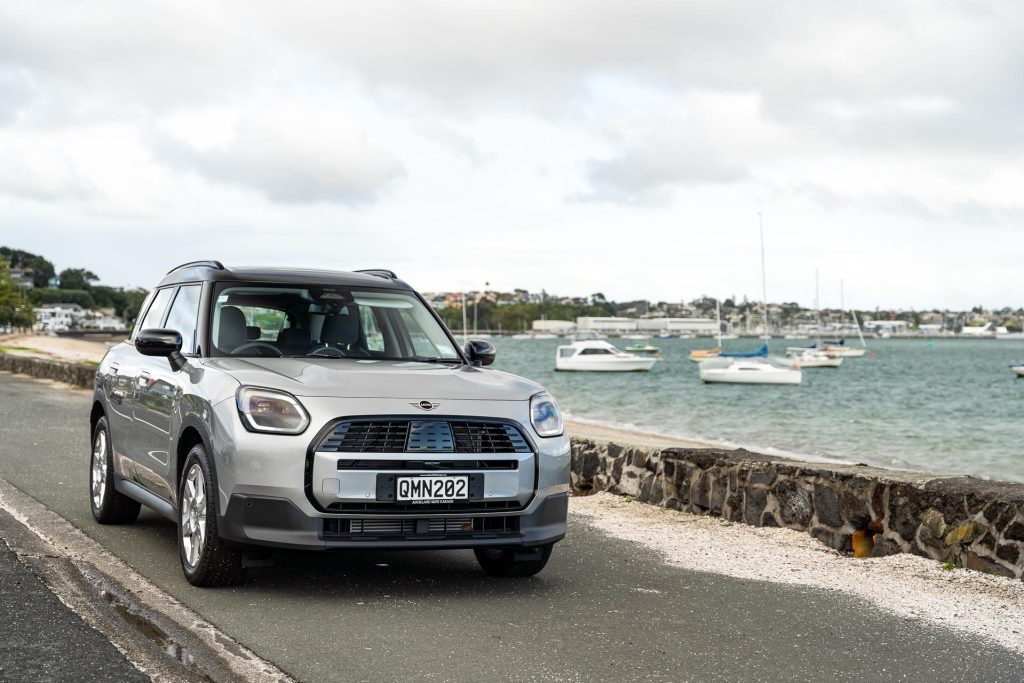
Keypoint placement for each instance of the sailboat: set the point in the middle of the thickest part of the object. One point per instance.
(813, 356)
(837, 348)
(751, 368)
(697, 355)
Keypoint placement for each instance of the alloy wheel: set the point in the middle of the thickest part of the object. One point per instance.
(193, 515)
(99, 469)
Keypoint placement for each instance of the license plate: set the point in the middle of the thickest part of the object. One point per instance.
(431, 489)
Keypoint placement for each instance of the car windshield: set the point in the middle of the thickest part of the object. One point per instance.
(268, 320)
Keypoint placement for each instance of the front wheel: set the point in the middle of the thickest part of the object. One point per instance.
(205, 559)
(513, 562)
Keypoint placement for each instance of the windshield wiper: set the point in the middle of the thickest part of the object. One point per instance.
(427, 359)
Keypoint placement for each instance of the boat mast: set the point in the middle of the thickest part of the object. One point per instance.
(842, 305)
(764, 279)
(817, 311)
(718, 322)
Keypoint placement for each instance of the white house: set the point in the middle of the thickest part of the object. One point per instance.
(58, 317)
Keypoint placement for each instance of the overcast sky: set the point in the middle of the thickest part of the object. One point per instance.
(620, 147)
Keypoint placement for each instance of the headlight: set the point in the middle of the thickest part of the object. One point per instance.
(267, 410)
(545, 415)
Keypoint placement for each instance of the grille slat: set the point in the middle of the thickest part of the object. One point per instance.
(424, 436)
(411, 529)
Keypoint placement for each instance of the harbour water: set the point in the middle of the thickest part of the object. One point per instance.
(945, 405)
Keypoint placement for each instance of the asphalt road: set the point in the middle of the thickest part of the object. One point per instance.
(41, 639)
(603, 609)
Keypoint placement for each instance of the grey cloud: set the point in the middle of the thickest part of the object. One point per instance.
(645, 173)
(290, 160)
(40, 174)
(951, 214)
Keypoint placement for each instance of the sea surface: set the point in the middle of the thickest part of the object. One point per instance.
(944, 405)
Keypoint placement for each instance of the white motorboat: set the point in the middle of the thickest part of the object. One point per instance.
(749, 371)
(812, 358)
(599, 356)
(522, 335)
(634, 337)
(1018, 369)
(545, 335)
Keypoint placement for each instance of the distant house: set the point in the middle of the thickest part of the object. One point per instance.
(58, 317)
(62, 317)
(22, 276)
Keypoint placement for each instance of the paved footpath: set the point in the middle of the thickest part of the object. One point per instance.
(603, 609)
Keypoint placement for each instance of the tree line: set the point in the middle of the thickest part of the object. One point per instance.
(71, 285)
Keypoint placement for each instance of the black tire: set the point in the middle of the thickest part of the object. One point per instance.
(217, 564)
(513, 562)
(107, 504)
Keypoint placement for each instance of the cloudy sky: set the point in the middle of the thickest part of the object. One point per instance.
(621, 147)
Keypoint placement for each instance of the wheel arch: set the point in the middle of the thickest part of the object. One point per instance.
(94, 416)
(193, 433)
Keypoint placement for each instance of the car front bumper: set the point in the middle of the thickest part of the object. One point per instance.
(278, 523)
(280, 491)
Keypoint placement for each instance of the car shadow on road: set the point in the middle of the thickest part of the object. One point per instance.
(370, 573)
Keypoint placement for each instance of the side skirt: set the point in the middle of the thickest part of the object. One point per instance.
(146, 497)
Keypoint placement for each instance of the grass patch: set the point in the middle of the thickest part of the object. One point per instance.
(16, 348)
(948, 566)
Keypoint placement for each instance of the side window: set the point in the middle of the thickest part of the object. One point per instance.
(157, 309)
(142, 312)
(184, 315)
(374, 338)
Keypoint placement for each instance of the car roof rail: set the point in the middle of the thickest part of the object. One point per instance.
(216, 265)
(380, 272)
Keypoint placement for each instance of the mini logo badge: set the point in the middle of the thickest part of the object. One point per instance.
(425, 405)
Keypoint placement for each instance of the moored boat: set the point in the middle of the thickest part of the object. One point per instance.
(599, 356)
(1017, 368)
(757, 370)
(644, 348)
(812, 358)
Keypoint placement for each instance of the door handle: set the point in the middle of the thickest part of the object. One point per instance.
(117, 396)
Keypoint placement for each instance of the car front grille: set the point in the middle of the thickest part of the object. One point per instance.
(420, 529)
(423, 436)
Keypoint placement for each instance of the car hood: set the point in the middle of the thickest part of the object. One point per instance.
(348, 378)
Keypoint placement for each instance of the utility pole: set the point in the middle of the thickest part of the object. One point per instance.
(465, 325)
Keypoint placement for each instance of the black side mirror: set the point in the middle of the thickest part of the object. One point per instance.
(166, 343)
(480, 352)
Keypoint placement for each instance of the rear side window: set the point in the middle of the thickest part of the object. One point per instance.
(184, 315)
(157, 309)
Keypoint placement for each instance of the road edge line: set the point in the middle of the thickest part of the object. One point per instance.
(112, 579)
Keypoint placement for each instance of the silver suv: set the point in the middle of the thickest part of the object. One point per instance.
(307, 409)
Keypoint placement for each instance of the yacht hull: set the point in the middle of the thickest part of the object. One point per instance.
(605, 365)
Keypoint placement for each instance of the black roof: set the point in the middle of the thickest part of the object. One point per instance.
(215, 271)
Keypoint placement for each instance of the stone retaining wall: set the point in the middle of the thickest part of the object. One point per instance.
(76, 374)
(874, 512)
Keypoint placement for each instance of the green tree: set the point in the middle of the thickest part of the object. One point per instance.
(50, 295)
(77, 278)
(42, 270)
(15, 308)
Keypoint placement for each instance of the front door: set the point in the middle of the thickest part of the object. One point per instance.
(158, 392)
